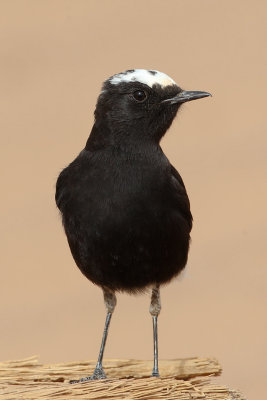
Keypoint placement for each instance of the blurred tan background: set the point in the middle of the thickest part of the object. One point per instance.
(54, 58)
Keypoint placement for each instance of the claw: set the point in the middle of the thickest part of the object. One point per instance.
(98, 374)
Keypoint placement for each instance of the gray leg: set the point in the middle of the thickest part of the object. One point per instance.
(110, 303)
(155, 307)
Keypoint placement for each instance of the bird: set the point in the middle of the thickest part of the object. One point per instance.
(124, 206)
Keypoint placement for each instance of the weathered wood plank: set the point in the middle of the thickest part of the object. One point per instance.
(181, 379)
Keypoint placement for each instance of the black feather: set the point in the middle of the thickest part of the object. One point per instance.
(124, 207)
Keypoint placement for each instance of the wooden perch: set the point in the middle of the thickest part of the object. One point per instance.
(181, 379)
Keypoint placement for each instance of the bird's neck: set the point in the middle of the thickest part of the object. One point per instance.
(102, 137)
(98, 139)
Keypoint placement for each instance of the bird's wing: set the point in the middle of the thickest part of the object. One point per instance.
(183, 199)
(177, 176)
(64, 186)
(60, 189)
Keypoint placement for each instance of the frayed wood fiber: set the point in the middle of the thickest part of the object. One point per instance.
(181, 379)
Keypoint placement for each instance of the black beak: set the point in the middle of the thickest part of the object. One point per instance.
(184, 96)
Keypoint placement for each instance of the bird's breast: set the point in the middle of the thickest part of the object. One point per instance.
(110, 191)
(123, 221)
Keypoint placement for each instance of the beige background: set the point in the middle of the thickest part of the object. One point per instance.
(54, 57)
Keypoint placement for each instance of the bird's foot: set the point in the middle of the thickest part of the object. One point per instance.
(155, 373)
(98, 374)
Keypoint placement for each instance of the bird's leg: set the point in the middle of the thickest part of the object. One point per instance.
(155, 307)
(110, 303)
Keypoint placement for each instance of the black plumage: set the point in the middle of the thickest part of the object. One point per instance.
(124, 207)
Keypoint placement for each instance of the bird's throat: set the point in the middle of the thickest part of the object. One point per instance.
(102, 137)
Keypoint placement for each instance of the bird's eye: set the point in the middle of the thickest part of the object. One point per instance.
(139, 95)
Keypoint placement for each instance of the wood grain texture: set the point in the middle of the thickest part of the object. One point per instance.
(181, 379)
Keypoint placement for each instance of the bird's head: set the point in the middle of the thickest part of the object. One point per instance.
(140, 104)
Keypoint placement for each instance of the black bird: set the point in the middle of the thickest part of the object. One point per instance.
(124, 207)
